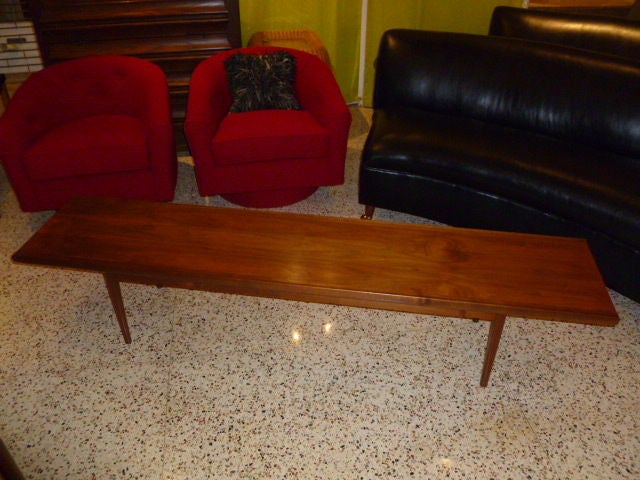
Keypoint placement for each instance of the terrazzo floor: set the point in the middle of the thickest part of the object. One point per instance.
(231, 387)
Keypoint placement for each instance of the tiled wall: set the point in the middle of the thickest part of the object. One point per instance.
(18, 48)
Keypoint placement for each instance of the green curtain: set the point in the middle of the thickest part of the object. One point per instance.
(337, 22)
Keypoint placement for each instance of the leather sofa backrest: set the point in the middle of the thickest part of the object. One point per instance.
(634, 12)
(575, 95)
(611, 35)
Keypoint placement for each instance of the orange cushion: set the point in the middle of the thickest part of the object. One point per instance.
(89, 146)
(267, 135)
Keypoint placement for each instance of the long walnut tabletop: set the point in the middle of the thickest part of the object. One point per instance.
(446, 271)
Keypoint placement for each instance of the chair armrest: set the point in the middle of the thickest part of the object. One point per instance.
(15, 133)
(27, 116)
(151, 95)
(319, 93)
(24, 120)
(155, 112)
(18, 130)
(209, 102)
(13, 142)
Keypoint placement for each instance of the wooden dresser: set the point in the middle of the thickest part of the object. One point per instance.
(175, 34)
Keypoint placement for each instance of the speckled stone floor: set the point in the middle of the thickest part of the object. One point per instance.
(231, 387)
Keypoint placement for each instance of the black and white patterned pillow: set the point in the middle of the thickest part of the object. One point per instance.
(262, 82)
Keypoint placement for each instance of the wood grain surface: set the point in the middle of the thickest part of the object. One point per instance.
(423, 269)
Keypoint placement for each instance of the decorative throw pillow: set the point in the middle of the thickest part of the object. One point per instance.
(262, 82)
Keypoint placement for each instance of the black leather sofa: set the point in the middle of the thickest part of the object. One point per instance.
(509, 134)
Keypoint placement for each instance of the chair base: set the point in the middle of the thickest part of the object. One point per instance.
(270, 198)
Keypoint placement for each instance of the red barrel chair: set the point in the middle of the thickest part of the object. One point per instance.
(95, 126)
(267, 157)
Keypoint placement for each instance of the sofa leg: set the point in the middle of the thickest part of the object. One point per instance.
(368, 212)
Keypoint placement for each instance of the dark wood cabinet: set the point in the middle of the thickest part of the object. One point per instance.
(175, 34)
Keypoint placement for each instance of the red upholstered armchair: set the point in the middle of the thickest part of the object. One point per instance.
(96, 126)
(267, 158)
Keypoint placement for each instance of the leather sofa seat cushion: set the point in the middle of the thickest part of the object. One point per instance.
(267, 135)
(89, 146)
(593, 187)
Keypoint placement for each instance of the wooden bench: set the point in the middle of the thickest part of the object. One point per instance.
(421, 269)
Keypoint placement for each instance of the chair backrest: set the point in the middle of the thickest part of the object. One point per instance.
(312, 74)
(89, 86)
(610, 35)
(307, 64)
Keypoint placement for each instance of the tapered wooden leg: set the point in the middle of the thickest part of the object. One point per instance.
(495, 332)
(113, 287)
(368, 212)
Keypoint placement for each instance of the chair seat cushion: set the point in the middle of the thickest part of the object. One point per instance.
(88, 146)
(267, 135)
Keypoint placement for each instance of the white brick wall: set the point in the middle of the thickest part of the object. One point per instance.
(18, 57)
